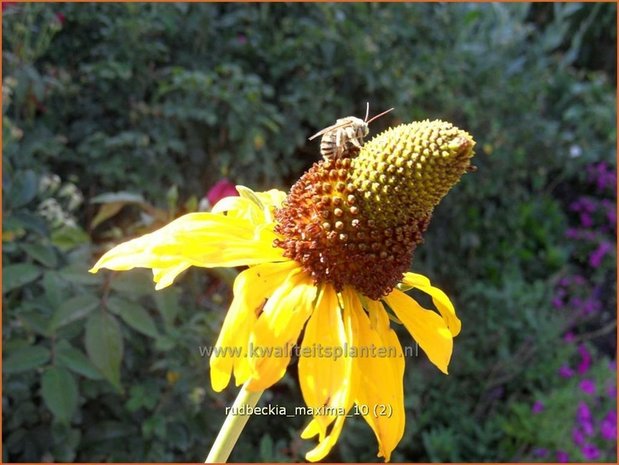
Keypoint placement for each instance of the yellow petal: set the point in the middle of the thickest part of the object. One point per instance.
(196, 239)
(164, 277)
(251, 288)
(324, 446)
(322, 374)
(257, 207)
(426, 327)
(380, 399)
(241, 207)
(272, 198)
(440, 299)
(278, 328)
(415, 280)
(311, 430)
(326, 376)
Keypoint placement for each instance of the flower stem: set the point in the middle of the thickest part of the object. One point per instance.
(232, 427)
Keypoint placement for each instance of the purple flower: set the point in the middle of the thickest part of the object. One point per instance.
(585, 422)
(585, 359)
(566, 372)
(608, 428)
(587, 386)
(563, 456)
(538, 407)
(560, 292)
(222, 188)
(590, 306)
(586, 220)
(557, 302)
(583, 412)
(579, 280)
(569, 337)
(602, 175)
(578, 436)
(596, 257)
(540, 452)
(587, 205)
(611, 216)
(583, 204)
(590, 452)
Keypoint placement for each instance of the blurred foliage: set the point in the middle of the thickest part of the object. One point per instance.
(118, 117)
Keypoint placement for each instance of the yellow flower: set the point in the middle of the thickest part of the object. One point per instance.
(328, 260)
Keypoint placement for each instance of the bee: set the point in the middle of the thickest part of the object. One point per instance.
(339, 138)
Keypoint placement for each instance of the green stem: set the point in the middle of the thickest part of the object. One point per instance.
(232, 427)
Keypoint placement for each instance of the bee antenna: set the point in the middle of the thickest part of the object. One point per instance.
(367, 111)
(378, 116)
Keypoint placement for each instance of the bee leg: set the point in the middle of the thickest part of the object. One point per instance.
(353, 137)
(339, 151)
(338, 139)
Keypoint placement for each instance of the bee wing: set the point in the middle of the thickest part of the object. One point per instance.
(329, 129)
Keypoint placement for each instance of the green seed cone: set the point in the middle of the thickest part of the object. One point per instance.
(356, 220)
(404, 172)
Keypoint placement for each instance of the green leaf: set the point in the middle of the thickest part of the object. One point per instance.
(138, 282)
(78, 274)
(73, 309)
(53, 286)
(31, 222)
(67, 237)
(59, 391)
(41, 253)
(25, 359)
(107, 430)
(15, 276)
(104, 345)
(134, 315)
(76, 361)
(266, 448)
(35, 320)
(107, 211)
(167, 304)
(125, 197)
(24, 189)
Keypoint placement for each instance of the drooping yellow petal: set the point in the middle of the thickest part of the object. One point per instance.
(440, 299)
(380, 392)
(195, 239)
(313, 429)
(411, 280)
(251, 289)
(271, 199)
(240, 207)
(426, 327)
(278, 328)
(322, 386)
(164, 277)
(325, 445)
(256, 207)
